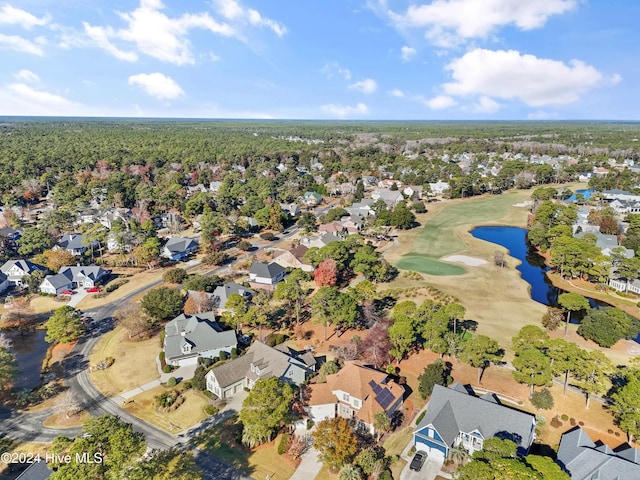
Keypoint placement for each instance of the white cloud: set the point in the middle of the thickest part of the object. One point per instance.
(157, 85)
(155, 34)
(396, 92)
(21, 99)
(26, 76)
(233, 11)
(448, 22)
(407, 53)
(19, 44)
(342, 111)
(368, 86)
(333, 69)
(14, 16)
(486, 105)
(511, 75)
(440, 102)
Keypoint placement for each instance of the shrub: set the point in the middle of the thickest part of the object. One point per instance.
(211, 410)
(224, 355)
(174, 275)
(234, 352)
(215, 258)
(166, 369)
(420, 417)
(419, 208)
(276, 339)
(244, 246)
(267, 236)
(109, 361)
(282, 446)
(216, 359)
(172, 382)
(161, 357)
(542, 399)
(555, 422)
(187, 385)
(565, 417)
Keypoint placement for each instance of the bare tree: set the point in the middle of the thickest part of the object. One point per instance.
(198, 302)
(297, 445)
(498, 259)
(134, 320)
(67, 404)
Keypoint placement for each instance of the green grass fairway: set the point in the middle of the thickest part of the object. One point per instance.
(424, 264)
(438, 237)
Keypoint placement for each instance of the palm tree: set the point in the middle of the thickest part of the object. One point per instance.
(350, 472)
(458, 454)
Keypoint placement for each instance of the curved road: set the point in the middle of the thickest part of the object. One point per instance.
(28, 427)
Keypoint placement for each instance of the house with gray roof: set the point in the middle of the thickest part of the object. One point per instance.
(16, 270)
(69, 278)
(74, 243)
(260, 362)
(391, 198)
(456, 417)
(178, 248)
(607, 243)
(222, 293)
(266, 275)
(188, 337)
(4, 282)
(584, 459)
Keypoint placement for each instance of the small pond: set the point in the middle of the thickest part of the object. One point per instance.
(30, 350)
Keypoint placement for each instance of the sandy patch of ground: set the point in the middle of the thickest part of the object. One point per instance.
(526, 203)
(472, 262)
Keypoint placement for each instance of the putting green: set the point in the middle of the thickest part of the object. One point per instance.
(422, 264)
(437, 239)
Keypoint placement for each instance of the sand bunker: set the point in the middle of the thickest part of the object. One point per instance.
(472, 262)
(526, 203)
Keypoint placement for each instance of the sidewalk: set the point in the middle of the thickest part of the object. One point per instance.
(309, 466)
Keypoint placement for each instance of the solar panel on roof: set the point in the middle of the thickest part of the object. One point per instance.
(385, 398)
(375, 387)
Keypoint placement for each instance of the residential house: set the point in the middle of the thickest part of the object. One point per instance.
(319, 241)
(362, 208)
(38, 470)
(438, 188)
(312, 198)
(178, 248)
(74, 243)
(222, 293)
(266, 275)
(114, 214)
(189, 337)
(413, 192)
(215, 186)
(355, 392)
(260, 362)
(456, 417)
(600, 171)
(387, 184)
(291, 209)
(195, 189)
(293, 258)
(391, 198)
(369, 181)
(69, 278)
(607, 243)
(10, 233)
(584, 459)
(16, 270)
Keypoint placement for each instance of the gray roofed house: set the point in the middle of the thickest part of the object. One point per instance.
(260, 362)
(188, 337)
(56, 284)
(457, 418)
(73, 277)
(266, 275)
(606, 243)
(74, 243)
(4, 282)
(38, 470)
(585, 459)
(15, 270)
(221, 294)
(178, 248)
(390, 197)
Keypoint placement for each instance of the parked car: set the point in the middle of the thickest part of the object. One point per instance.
(418, 460)
(92, 290)
(67, 292)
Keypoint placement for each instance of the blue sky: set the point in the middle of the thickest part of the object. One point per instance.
(322, 59)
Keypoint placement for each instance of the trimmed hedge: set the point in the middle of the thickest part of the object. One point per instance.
(284, 441)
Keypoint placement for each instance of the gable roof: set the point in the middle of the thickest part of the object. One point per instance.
(72, 241)
(221, 293)
(266, 270)
(24, 265)
(79, 273)
(58, 280)
(585, 460)
(453, 410)
(180, 244)
(200, 330)
(272, 362)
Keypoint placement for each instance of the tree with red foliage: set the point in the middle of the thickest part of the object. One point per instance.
(326, 275)
(375, 346)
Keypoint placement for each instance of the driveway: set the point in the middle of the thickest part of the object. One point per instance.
(77, 297)
(430, 470)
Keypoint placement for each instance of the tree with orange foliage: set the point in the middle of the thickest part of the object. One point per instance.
(197, 302)
(55, 259)
(326, 275)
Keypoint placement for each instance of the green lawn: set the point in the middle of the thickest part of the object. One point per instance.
(438, 237)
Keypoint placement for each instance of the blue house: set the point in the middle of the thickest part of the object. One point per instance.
(456, 417)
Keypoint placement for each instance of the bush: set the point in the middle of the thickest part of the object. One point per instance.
(115, 285)
(172, 382)
(166, 369)
(109, 361)
(234, 352)
(187, 385)
(565, 417)
(419, 208)
(161, 357)
(267, 236)
(215, 258)
(282, 446)
(224, 355)
(542, 399)
(211, 410)
(244, 246)
(276, 339)
(174, 275)
(420, 417)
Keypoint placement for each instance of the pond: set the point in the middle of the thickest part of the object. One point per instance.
(30, 350)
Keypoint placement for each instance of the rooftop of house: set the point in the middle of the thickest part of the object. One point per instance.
(585, 459)
(456, 409)
(180, 244)
(200, 330)
(72, 241)
(266, 270)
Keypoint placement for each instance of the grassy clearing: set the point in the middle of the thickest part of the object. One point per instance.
(182, 418)
(326, 474)
(429, 266)
(222, 441)
(135, 363)
(44, 304)
(61, 421)
(395, 444)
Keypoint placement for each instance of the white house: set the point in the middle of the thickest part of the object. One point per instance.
(438, 188)
(178, 248)
(16, 270)
(266, 275)
(4, 282)
(69, 278)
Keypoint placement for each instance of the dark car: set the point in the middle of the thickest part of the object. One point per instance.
(418, 461)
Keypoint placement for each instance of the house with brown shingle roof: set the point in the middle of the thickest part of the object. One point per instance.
(355, 392)
(293, 258)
